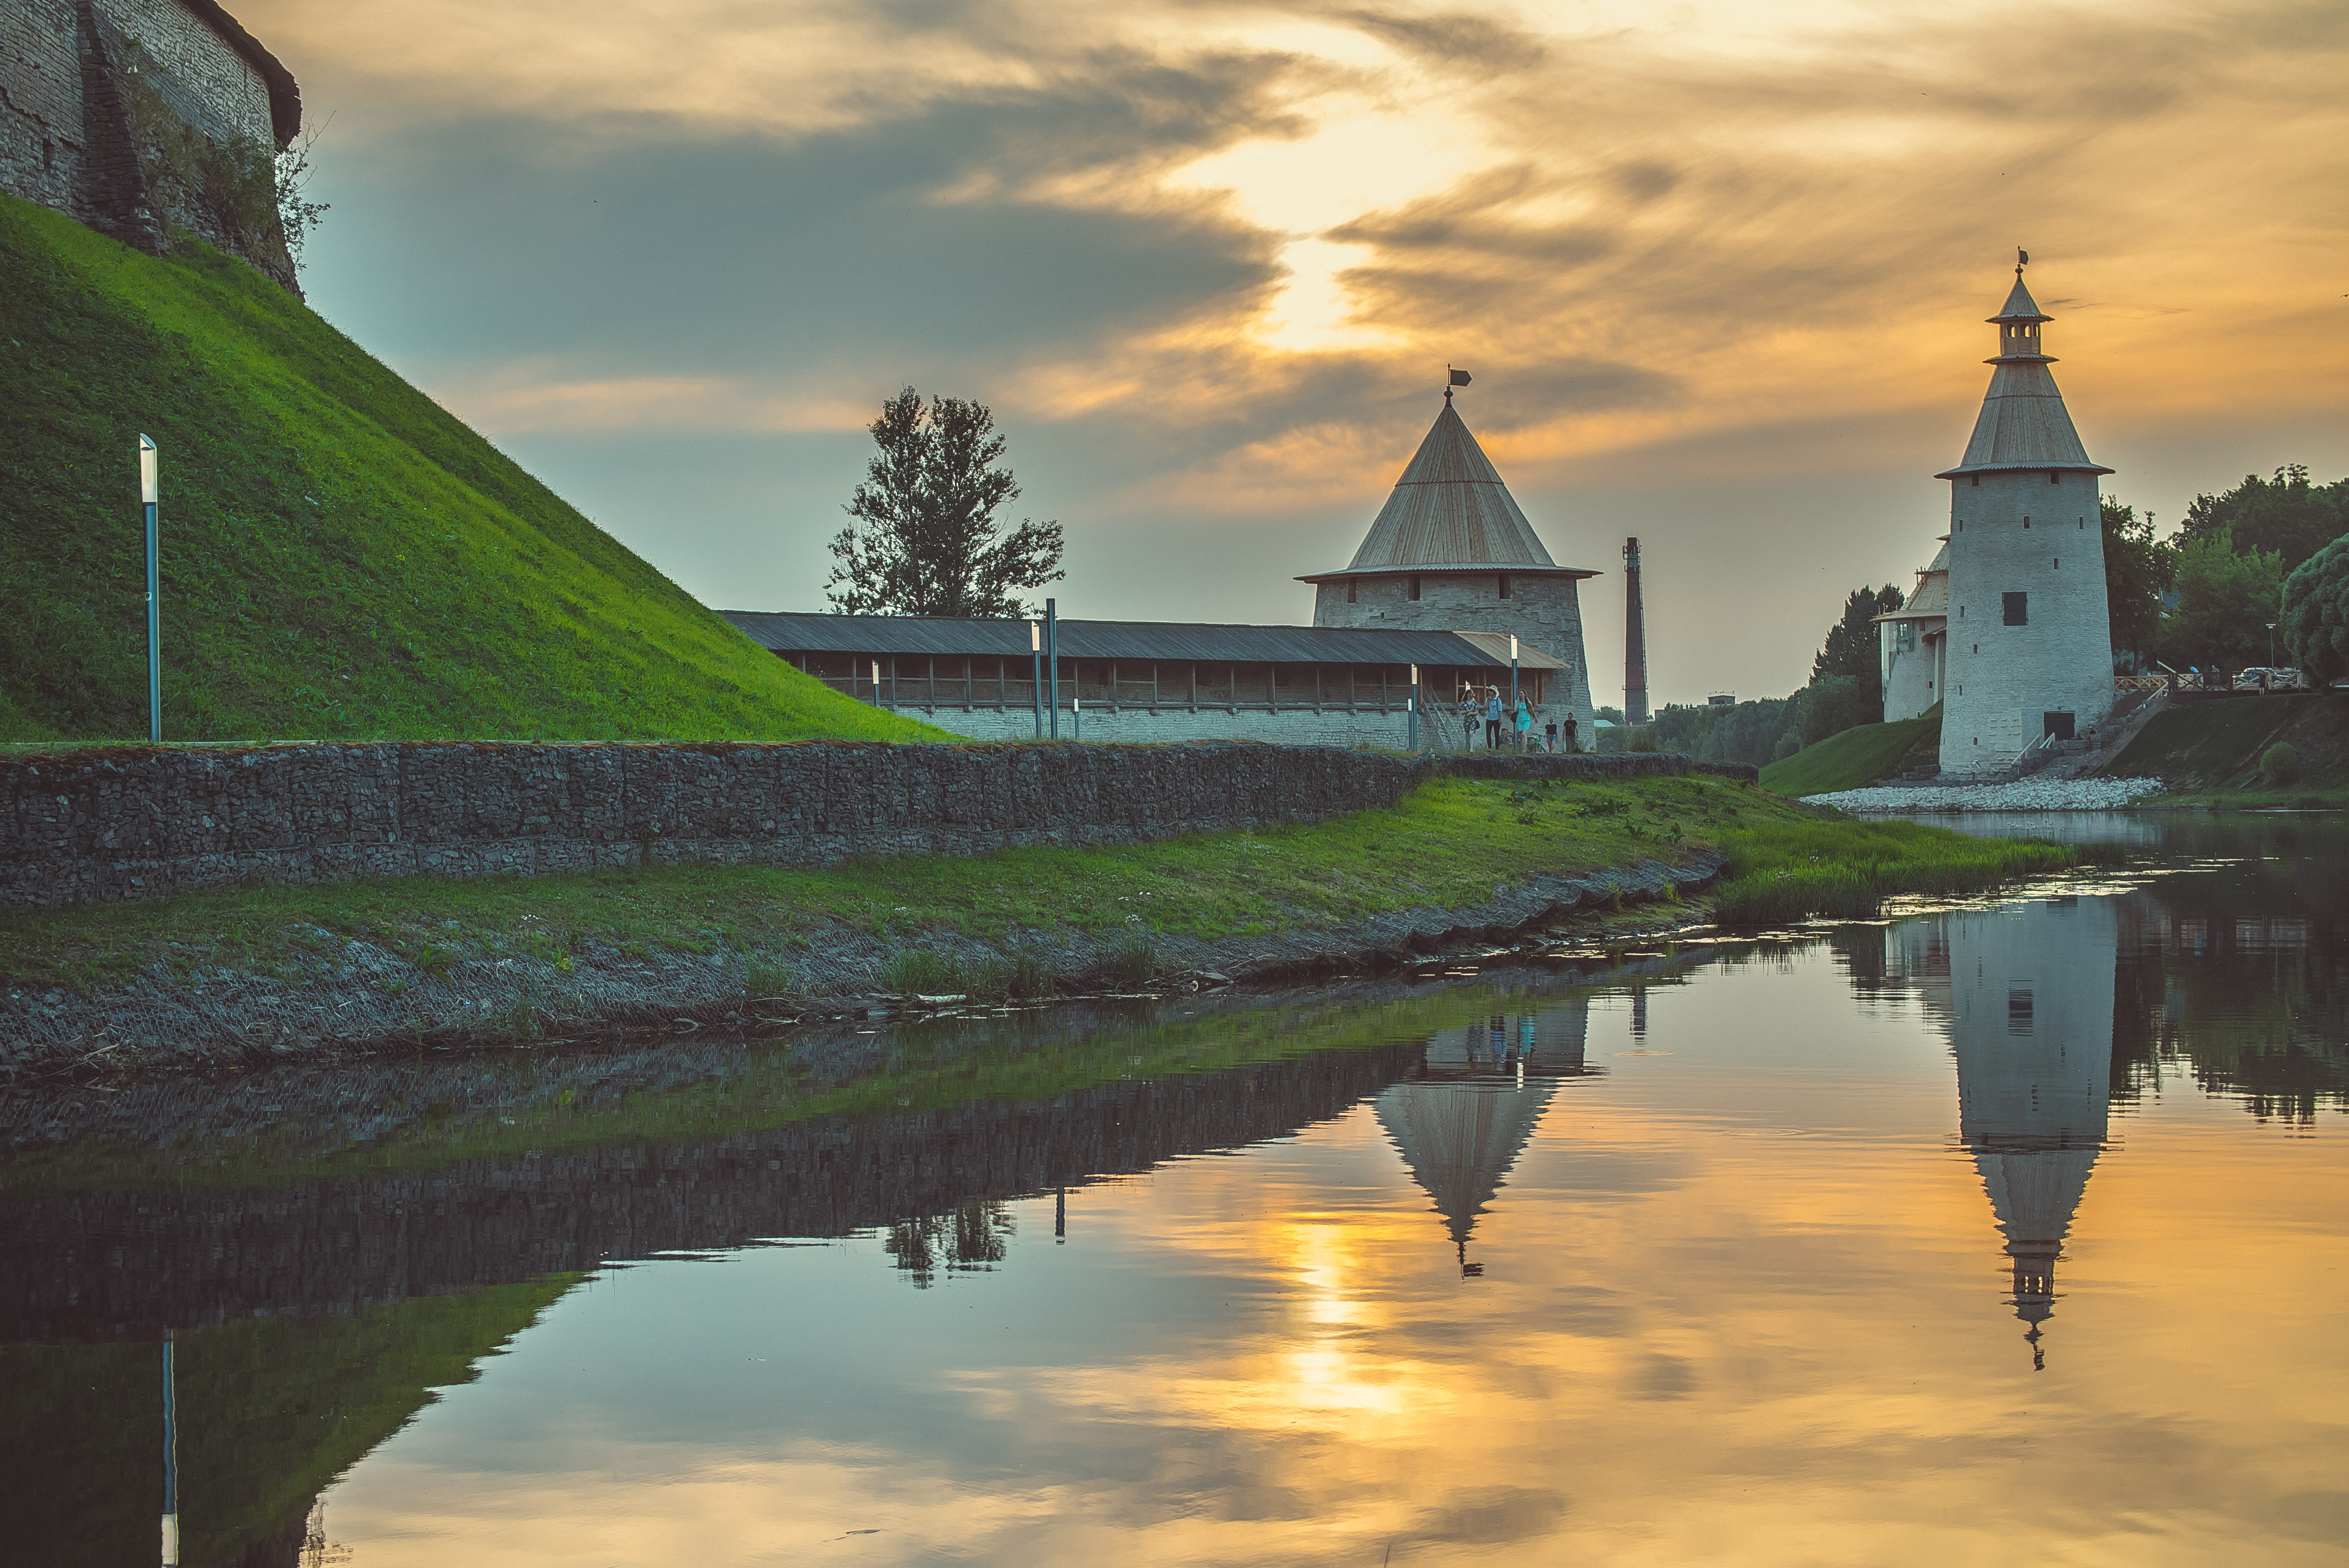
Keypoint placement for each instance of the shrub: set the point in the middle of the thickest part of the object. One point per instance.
(919, 971)
(1131, 957)
(766, 977)
(2280, 764)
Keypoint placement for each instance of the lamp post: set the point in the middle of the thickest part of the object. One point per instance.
(1077, 715)
(147, 498)
(1036, 669)
(1052, 660)
(1513, 692)
(2272, 626)
(1415, 707)
(877, 683)
(170, 1453)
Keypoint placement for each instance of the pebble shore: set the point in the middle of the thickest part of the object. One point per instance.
(2022, 795)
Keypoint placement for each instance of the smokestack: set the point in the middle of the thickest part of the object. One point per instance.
(1635, 640)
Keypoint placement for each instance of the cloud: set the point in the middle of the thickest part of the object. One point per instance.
(1210, 261)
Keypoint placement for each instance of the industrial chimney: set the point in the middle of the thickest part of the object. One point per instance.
(1635, 640)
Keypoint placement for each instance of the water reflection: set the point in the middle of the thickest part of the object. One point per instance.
(2026, 995)
(1352, 1278)
(1462, 1118)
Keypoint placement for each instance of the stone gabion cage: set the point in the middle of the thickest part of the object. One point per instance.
(138, 822)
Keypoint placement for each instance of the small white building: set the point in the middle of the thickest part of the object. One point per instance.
(1913, 642)
(2028, 641)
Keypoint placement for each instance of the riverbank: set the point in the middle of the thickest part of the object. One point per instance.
(217, 980)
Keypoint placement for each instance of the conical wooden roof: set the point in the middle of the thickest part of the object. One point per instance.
(1450, 511)
(2023, 423)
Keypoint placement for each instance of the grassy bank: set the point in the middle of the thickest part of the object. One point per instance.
(341, 556)
(1452, 845)
(2210, 752)
(1858, 757)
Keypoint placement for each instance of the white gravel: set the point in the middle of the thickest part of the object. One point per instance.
(2022, 795)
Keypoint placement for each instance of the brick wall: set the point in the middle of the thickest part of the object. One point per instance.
(134, 822)
(66, 139)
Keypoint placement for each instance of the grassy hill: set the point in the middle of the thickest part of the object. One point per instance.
(341, 557)
(2210, 746)
(1856, 757)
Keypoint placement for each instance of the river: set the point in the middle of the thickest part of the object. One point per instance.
(2012, 1228)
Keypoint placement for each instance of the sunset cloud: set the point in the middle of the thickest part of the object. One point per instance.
(1207, 261)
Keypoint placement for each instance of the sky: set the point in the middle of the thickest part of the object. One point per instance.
(1718, 270)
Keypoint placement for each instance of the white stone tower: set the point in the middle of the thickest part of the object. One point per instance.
(1451, 551)
(2029, 637)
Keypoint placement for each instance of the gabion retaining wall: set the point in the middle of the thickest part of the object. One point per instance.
(138, 823)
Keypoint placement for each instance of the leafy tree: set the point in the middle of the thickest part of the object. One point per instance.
(2225, 602)
(929, 543)
(2138, 569)
(1745, 732)
(1852, 645)
(1830, 705)
(2316, 613)
(2285, 514)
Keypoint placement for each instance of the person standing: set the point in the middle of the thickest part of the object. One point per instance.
(1572, 745)
(1549, 736)
(1469, 712)
(1525, 723)
(1494, 714)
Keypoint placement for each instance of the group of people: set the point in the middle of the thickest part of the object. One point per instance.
(1496, 719)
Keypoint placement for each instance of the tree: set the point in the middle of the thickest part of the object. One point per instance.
(2285, 514)
(1853, 646)
(1829, 706)
(2138, 569)
(2316, 613)
(929, 543)
(2225, 602)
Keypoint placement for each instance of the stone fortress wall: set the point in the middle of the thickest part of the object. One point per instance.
(143, 116)
(1544, 611)
(138, 823)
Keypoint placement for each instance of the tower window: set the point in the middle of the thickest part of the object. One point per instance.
(1351, 586)
(1505, 584)
(2054, 478)
(1978, 481)
(2018, 608)
(2059, 563)
(1414, 587)
(2026, 521)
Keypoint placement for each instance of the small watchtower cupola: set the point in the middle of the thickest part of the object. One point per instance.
(2019, 320)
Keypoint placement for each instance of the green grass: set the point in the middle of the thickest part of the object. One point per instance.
(341, 557)
(1856, 758)
(2216, 746)
(1450, 842)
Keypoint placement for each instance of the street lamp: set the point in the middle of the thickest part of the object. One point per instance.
(2272, 626)
(1036, 673)
(1415, 707)
(1513, 691)
(1052, 661)
(147, 498)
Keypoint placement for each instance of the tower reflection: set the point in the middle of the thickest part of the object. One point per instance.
(1461, 1119)
(2027, 995)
